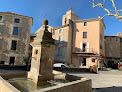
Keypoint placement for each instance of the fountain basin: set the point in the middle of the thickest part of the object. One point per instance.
(63, 83)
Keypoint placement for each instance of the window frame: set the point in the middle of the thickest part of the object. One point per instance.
(12, 48)
(14, 33)
(1, 18)
(101, 44)
(85, 23)
(16, 19)
(84, 35)
(65, 21)
(93, 60)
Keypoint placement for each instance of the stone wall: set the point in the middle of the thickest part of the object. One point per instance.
(12, 67)
(112, 45)
(6, 35)
(72, 69)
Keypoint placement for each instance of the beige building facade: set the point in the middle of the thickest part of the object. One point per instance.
(14, 37)
(72, 47)
(88, 42)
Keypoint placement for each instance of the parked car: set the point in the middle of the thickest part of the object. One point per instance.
(61, 65)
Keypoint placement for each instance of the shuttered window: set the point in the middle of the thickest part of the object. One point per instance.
(16, 20)
(15, 31)
(87, 46)
(84, 34)
(60, 30)
(0, 18)
(13, 45)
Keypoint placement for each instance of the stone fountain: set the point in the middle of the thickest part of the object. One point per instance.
(42, 56)
(43, 80)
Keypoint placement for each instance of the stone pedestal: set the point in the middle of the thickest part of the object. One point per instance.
(42, 57)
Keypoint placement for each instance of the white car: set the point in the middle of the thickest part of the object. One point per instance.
(61, 65)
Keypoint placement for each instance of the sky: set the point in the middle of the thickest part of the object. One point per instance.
(53, 10)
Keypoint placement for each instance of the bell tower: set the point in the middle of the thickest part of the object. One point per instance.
(69, 15)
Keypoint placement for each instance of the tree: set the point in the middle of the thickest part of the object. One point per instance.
(117, 14)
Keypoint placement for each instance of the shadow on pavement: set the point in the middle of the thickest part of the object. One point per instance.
(108, 89)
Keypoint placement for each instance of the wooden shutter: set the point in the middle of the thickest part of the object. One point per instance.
(62, 30)
(61, 40)
(58, 30)
(87, 46)
(81, 47)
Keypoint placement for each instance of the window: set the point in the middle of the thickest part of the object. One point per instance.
(53, 31)
(12, 60)
(0, 18)
(59, 51)
(110, 46)
(84, 47)
(100, 41)
(110, 54)
(15, 31)
(60, 30)
(60, 39)
(110, 39)
(93, 59)
(65, 20)
(84, 62)
(14, 44)
(85, 23)
(84, 34)
(36, 51)
(16, 20)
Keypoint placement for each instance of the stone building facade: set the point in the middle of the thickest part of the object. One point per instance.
(32, 36)
(14, 37)
(120, 35)
(113, 50)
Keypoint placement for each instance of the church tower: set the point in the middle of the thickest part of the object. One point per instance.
(69, 15)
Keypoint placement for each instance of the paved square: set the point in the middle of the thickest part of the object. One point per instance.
(105, 81)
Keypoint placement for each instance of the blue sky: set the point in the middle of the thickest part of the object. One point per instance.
(53, 10)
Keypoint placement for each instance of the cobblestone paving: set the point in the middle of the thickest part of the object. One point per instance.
(105, 81)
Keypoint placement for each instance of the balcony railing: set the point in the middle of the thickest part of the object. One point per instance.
(86, 50)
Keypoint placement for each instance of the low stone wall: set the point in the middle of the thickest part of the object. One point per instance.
(81, 85)
(72, 69)
(84, 85)
(13, 75)
(6, 87)
(13, 67)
